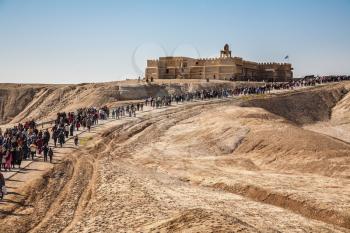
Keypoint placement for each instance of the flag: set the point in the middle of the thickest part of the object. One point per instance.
(286, 57)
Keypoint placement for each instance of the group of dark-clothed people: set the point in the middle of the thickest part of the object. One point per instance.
(166, 100)
(127, 110)
(26, 141)
(22, 142)
(67, 123)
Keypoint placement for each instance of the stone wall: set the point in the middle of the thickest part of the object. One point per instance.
(217, 68)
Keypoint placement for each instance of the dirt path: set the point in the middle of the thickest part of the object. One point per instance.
(39, 184)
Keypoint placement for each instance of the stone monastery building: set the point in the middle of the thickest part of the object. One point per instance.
(225, 67)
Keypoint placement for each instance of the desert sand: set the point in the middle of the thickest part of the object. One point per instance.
(273, 163)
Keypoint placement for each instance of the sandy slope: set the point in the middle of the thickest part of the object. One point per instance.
(19, 102)
(338, 125)
(205, 167)
(176, 175)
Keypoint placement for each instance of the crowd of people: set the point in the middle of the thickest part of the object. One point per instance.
(127, 110)
(307, 81)
(26, 141)
(166, 100)
(67, 123)
(20, 142)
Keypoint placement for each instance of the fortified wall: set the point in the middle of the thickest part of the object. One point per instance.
(225, 67)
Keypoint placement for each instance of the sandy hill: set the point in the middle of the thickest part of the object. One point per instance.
(20, 102)
(270, 163)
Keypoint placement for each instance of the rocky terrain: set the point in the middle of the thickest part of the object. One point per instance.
(271, 163)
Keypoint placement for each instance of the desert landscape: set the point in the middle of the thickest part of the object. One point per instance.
(256, 163)
(184, 116)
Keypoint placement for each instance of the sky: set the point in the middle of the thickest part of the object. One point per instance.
(74, 41)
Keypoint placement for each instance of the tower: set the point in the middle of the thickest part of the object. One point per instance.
(226, 52)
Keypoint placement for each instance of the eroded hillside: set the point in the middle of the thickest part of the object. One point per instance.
(303, 107)
(234, 165)
(19, 102)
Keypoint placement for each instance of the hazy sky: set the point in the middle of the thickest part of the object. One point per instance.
(71, 41)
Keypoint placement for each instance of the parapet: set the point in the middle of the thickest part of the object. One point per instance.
(152, 63)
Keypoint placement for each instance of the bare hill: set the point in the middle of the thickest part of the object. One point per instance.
(251, 164)
(20, 102)
(302, 107)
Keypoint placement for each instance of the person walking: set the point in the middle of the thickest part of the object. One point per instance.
(77, 125)
(61, 137)
(50, 153)
(76, 140)
(3, 159)
(66, 131)
(2, 186)
(46, 151)
(8, 160)
(19, 156)
(46, 137)
(71, 129)
(32, 148)
(55, 137)
(89, 123)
